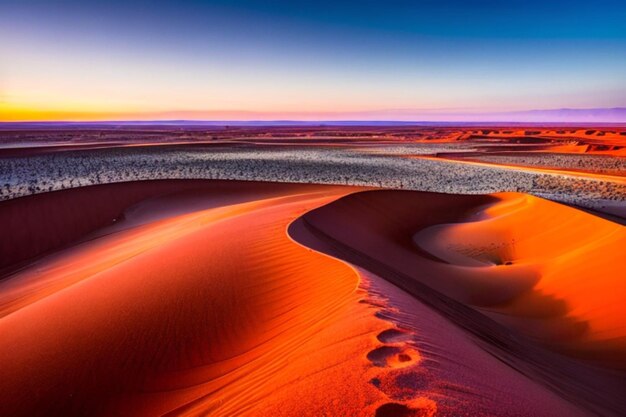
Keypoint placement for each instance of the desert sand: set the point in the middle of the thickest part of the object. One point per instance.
(537, 282)
(239, 298)
(193, 313)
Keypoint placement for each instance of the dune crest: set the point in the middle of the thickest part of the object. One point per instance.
(215, 311)
(537, 283)
(220, 298)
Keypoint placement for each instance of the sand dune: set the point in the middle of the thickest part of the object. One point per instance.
(37, 224)
(538, 279)
(212, 298)
(505, 250)
(206, 312)
(574, 257)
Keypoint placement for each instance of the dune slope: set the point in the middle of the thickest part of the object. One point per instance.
(216, 311)
(219, 298)
(537, 283)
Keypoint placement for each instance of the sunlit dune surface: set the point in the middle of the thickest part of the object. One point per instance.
(540, 269)
(207, 312)
(575, 257)
(220, 298)
(558, 268)
(36, 225)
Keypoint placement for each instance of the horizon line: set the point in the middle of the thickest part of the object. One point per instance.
(613, 115)
(300, 122)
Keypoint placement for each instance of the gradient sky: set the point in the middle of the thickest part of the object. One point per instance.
(86, 60)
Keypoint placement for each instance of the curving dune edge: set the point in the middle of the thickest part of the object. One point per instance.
(255, 299)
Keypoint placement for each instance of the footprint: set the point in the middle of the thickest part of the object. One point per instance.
(423, 408)
(403, 384)
(393, 356)
(394, 410)
(393, 336)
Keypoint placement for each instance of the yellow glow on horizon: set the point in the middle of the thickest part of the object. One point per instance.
(18, 113)
(30, 113)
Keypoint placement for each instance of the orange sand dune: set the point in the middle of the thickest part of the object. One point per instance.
(39, 223)
(519, 256)
(197, 301)
(567, 148)
(198, 313)
(549, 275)
(577, 260)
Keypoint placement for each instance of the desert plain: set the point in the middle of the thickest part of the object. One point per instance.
(167, 270)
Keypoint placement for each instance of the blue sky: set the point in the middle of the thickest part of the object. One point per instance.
(308, 59)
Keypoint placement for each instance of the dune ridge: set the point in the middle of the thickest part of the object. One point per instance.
(507, 285)
(220, 298)
(206, 312)
(37, 224)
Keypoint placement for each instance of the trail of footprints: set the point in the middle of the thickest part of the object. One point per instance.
(400, 378)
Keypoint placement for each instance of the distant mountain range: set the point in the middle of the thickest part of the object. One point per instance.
(597, 115)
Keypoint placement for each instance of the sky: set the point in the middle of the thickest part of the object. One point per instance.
(307, 60)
